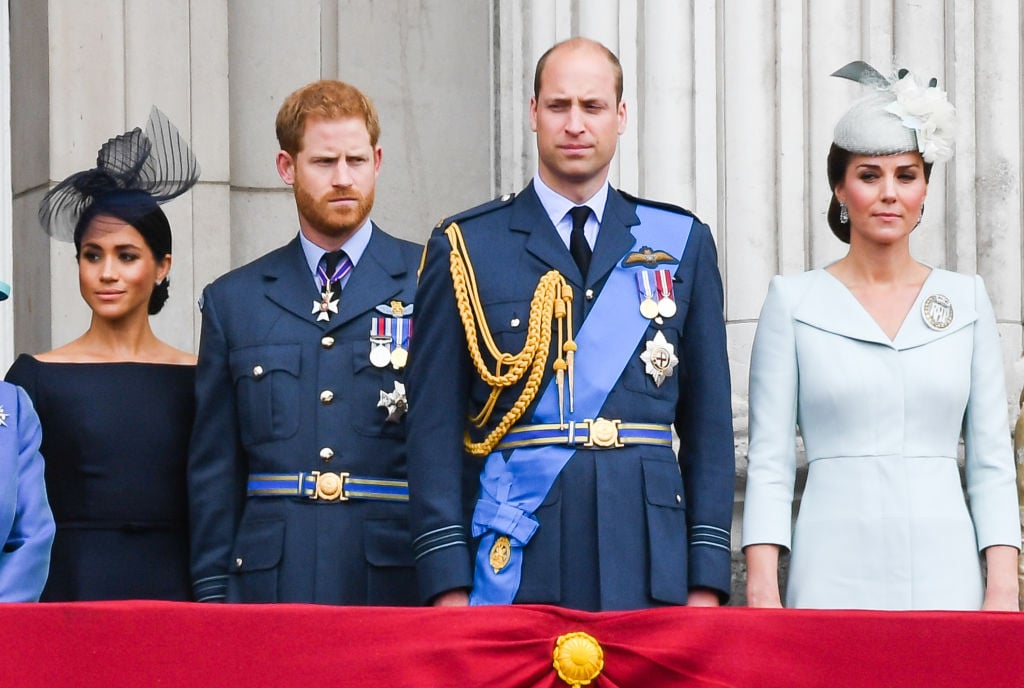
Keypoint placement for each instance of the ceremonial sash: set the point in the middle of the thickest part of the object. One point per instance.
(511, 491)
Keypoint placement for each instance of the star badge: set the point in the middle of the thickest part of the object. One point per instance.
(659, 358)
(394, 403)
(3, 417)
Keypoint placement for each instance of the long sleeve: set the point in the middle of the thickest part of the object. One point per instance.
(438, 381)
(704, 425)
(214, 463)
(771, 467)
(25, 557)
(991, 477)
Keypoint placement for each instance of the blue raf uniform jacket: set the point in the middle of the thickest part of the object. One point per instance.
(26, 523)
(279, 392)
(624, 528)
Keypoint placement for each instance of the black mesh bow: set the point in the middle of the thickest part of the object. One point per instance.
(156, 162)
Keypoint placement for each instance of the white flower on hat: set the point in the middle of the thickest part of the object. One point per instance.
(927, 111)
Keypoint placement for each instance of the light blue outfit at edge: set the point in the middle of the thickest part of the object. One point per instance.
(26, 523)
(883, 523)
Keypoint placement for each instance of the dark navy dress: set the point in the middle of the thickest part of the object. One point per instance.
(115, 443)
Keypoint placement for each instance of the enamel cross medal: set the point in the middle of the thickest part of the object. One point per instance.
(329, 299)
(327, 304)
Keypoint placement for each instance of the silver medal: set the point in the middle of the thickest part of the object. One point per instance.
(380, 351)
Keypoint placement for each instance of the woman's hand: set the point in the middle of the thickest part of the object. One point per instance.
(763, 576)
(1001, 587)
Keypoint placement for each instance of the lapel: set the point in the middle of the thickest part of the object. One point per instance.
(958, 289)
(529, 217)
(614, 238)
(289, 283)
(374, 281)
(828, 305)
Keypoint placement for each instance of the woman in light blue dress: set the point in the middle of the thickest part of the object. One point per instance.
(883, 363)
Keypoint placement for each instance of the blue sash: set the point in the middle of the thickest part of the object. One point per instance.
(511, 491)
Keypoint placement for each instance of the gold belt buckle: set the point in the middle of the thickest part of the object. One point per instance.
(330, 487)
(604, 433)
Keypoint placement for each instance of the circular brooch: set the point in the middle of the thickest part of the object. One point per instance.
(579, 658)
(937, 311)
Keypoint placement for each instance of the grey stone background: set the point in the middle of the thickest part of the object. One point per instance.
(730, 113)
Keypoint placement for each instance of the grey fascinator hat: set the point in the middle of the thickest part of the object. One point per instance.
(136, 168)
(899, 116)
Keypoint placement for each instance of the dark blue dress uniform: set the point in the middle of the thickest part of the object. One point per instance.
(281, 394)
(622, 528)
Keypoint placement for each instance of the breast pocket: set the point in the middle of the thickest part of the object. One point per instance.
(508, 322)
(266, 380)
(656, 355)
(368, 381)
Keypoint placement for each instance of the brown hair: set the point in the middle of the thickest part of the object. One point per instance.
(838, 162)
(576, 43)
(328, 99)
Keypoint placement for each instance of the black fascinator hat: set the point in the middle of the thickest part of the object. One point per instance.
(135, 172)
(138, 168)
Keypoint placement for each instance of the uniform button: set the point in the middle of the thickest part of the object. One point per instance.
(326, 396)
(327, 342)
(679, 499)
(257, 371)
(238, 563)
(589, 294)
(515, 322)
(326, 453)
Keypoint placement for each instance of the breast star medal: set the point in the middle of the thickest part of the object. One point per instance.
(394, 403)
(3, 417)
(501, 553)
(660, 359)
(937, 311)
(326, 305)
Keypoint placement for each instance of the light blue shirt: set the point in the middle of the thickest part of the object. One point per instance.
(558, 206)
(353, 248)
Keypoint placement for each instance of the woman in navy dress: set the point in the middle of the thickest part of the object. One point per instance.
(116, 404)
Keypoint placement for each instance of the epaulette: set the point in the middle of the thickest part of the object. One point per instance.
(478, 210)
(659, 204)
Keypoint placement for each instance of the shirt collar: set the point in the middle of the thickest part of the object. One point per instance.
(557, 205)
(354, 247)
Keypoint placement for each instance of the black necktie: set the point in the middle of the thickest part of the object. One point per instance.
(578, 246)
(331, 260)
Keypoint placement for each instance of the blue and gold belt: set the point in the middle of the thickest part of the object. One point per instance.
(327, 487)
(595, 433)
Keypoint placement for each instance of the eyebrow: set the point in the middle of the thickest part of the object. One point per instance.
(119, 247)
(874, 166)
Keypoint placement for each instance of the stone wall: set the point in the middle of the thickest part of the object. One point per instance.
(729, 102)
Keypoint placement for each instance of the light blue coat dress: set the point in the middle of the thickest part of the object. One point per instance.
(883, 523)
(26, 524)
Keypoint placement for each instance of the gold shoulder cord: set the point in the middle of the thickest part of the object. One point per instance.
(551, 304)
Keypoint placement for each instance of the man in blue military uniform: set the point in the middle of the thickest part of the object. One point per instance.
(297, 484)
(565, 331)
